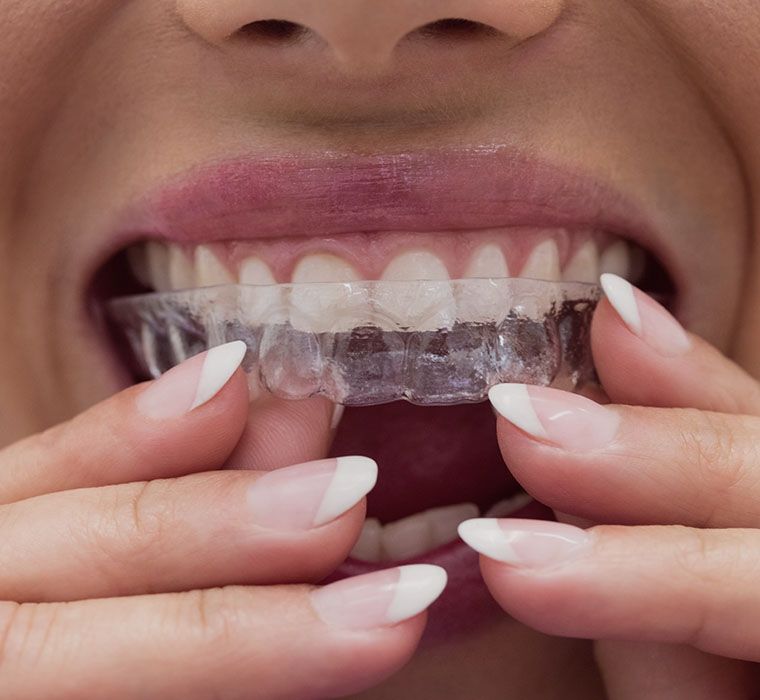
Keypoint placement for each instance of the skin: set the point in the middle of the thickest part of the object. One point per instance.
(101, 100)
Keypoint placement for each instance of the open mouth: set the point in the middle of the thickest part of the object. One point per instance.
(438, 465)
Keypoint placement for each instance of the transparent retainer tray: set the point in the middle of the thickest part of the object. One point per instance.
(365, 343)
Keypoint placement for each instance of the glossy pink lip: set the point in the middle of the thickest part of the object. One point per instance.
(331, 193)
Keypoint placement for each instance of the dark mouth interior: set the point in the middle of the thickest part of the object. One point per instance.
(428, 456)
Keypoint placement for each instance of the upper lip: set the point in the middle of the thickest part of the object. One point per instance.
(331, 193)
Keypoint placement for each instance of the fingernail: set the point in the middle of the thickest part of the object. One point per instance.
(192, 383)
(567, 420)
(530, 544)
(379, 599)
(645, 318)
(309, 495)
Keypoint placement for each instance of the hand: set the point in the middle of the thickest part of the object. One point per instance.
(676, 488)
(119, 548)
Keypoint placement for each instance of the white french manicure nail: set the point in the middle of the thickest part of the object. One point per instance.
(513, 402)
(309, 495)
(381, 598)
(418, 586)
(220, 364)
(646, 318)
(525, 543)
(566, 420)
(354, 477)
(192, 383)
(620, 293)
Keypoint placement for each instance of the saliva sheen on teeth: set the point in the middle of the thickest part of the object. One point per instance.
(364, 343)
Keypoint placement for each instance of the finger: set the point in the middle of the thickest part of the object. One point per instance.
(188, 420)
(630, 465)
(281, 432)
(198, 531)
(635, 670)
(644, 357)
(265, 643)
(660, 584)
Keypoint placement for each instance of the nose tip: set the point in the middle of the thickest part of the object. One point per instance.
(362, 33)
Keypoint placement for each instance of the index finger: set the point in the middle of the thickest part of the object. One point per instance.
(187, 421)
(644, 357)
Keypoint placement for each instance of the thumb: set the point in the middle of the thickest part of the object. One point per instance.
(282, 432)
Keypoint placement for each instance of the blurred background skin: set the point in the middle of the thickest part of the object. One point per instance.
(102, 99)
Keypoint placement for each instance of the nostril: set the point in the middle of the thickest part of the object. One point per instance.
(273, 30)
(456, 27)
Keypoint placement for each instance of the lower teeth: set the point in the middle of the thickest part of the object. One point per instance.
(527, 331)
(423, 532)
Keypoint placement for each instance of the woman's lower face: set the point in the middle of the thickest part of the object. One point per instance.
(552, 142)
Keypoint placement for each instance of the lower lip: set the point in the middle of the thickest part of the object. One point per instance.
(466, 605)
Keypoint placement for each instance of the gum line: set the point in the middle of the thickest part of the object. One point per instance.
(449, 345)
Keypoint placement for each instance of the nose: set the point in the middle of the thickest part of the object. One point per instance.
(362, 33)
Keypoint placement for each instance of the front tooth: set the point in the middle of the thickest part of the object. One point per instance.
(255, 271)
(158, 266)
(209, 270)
(406, 538)
(488, 261)
(584, 265)
(505, 508)
(483, 301)
(263, 301)
(543, 262)
(445, 521)
(369, 547)
(616, 260)
(416, 305)
(331, 307)
(137, 258)
(181, 271)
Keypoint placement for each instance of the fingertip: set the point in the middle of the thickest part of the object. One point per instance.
(369, 658)
(191, 384)
(188, 419)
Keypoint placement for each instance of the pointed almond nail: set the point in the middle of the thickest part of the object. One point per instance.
(525, 543)
(193, 383)
(566, 420)
(379, 599)
(309, 495)
(646, 318)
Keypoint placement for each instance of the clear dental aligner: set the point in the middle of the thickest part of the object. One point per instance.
(363, 343)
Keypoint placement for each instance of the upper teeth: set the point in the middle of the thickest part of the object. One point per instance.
(584, 265)
(616, 259)
(543, 262)
(306, 305)
(167, 267)
(209, 270)
(487, 261)
(405, 301)
(422, 532)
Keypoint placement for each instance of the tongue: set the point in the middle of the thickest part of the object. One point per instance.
(428, 456)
